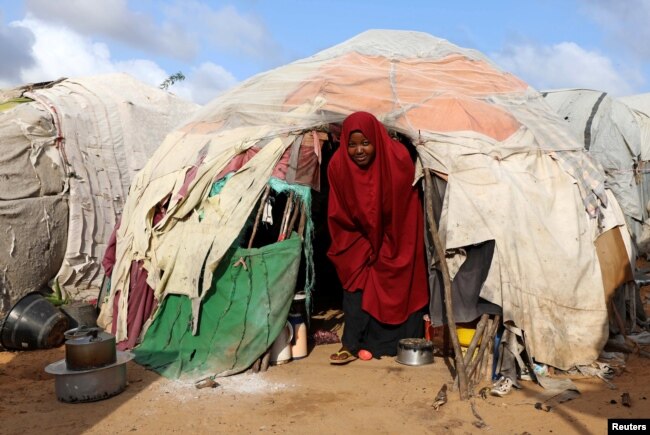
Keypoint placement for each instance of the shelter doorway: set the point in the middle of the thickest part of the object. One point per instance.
(327, 293)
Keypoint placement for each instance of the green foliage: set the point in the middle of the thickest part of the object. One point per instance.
(56, 298)
(169, 81)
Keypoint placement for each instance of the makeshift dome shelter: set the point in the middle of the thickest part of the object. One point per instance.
(614, 136)
(515, 176)
(640, 106)
(68, 151)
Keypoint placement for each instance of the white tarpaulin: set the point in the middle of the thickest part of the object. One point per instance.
(640, 106)
(68, 158)
(614, 135)
(516, 175)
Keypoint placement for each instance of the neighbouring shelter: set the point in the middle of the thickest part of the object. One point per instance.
(69, 150)
(614, 135)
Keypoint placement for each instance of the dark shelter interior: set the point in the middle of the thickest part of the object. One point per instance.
(327, 291)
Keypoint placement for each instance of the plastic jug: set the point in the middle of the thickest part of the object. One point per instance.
(281, 347)
(299, 342)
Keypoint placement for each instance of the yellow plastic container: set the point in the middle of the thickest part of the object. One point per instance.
(465, 335)
(464, 350)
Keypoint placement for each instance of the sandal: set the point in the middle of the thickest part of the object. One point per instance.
(343, 356)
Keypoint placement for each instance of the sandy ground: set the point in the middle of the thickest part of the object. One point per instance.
(309, 396)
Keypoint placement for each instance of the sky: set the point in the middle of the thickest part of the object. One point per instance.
(550, 44)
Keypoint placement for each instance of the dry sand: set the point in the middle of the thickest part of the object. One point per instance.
(308, 396)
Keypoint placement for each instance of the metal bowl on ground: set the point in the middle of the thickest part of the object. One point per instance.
(414, 351)
(77, 386)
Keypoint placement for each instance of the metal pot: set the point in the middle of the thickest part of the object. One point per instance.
(75, 386)
(414, 351)
(89, 348)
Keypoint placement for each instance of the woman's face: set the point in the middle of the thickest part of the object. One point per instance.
(360, 150)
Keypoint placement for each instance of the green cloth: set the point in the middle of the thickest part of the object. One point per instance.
(10, 104)
(241, 315)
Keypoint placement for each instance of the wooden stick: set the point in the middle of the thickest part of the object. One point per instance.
(475, 339)
(265, 196)
(632, 287)
(479, 423)
(303, 220)
(430, 189)
(624, 348)
(630, 296)
(294, 216)
(285, 216)
(290, 217)
(469, 354)
(480, 372)
(473, 367)
(490, 356)
(481, 351)
(266, 359)
(255, 368)
(621, 326)
(480, 367)
(436, 201)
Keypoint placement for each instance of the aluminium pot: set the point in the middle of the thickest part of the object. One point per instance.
(89, 348)
(77, 386)
(414, 351)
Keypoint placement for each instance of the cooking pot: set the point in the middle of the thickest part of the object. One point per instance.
(75, 386)
(89, 348)
(414, 351)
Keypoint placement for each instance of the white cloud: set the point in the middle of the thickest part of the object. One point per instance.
(144, 70)
(16, 52)
(626, 22)
(204, 83)
(184, 24)
(114, 19)
(228, 30)
(60, 52)
(567, 65)
(72, 38)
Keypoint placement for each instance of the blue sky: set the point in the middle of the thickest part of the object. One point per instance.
(596, 44)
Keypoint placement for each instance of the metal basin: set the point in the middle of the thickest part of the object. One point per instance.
(414, 351)
(76, 386)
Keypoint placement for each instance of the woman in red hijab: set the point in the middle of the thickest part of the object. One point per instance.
(376, 227)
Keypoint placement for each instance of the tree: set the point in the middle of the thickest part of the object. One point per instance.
(178, 77)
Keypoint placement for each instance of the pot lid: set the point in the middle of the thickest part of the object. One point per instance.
(415, 344)
(86, 335)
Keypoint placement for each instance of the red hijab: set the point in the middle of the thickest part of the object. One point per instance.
(375, 222)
